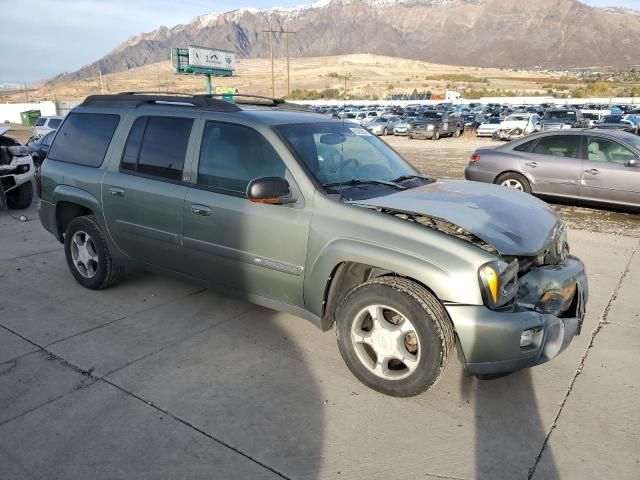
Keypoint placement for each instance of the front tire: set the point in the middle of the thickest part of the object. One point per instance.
(436, 134)
(394, 336)
(20, 198)
(88, 256)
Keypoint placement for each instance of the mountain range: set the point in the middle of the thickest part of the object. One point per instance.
(486, 33)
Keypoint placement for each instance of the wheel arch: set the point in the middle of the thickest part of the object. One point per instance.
(345, 264)
(527, 176)
(71, 202)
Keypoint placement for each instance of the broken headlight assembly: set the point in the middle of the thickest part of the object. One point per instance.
(498, 283)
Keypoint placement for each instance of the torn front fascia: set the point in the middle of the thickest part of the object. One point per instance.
(438, 224)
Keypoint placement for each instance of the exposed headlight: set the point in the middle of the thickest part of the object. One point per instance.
(430, 126)
(498, 282)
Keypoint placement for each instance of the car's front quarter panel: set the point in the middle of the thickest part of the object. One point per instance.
(347, 233)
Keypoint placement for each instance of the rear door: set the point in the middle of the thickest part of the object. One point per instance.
(555, 164)
(143, 199)
(606, 175)
(254, 247)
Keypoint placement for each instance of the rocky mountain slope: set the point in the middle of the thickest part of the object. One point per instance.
(491, 33)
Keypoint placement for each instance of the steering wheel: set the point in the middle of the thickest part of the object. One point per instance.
(344, 162)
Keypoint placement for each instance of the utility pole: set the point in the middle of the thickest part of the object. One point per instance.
(101, 85)
(286, 34)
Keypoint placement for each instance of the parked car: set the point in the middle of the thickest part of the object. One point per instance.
(38, 149)
(593, 165)
(616, 122)
(489, 127)
(236, 196)
(16, 173)
(364, 117)
(472, 121)
(45, 125)
(558, 119)
(383, 125)
(518, 125)
(433, 124)
(402, 127)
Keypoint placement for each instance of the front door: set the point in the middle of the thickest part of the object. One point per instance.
(257, 248)
(606, 176)
(143, 200)
(555, 163)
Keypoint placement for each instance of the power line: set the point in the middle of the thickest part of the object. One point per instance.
(286, 33)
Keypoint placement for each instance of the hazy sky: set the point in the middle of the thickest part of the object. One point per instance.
(41, 38)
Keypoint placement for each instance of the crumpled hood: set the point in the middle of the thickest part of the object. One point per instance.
(513, 222)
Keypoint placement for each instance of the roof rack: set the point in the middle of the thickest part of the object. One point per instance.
(208, 102)
(134, 99)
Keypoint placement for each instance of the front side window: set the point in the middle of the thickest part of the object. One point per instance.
(83, 138)
(559, 146)
(602, 150)
(233, 155)
(157, 147)
(341, 152)
(40, 122)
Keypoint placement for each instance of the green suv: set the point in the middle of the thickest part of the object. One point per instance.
(318, 218)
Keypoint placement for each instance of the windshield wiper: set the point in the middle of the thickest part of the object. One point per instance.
(362, 181)
(402, 178)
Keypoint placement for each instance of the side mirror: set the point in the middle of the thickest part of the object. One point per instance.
(272, 190)
(634, 162)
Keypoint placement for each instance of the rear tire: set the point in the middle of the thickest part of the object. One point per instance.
(407, 350)
(456, 133)
(514, 180)
(21, 197)
(88, 256)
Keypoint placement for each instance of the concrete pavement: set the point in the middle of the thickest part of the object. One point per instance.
(155, 378)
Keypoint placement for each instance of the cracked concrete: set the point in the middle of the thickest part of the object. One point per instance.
(155, 378)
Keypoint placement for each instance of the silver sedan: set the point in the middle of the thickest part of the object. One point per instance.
(592, 165)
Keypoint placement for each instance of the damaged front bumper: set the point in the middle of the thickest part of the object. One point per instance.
(547, 315)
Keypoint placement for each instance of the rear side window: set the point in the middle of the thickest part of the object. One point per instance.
(54, 123)
(157, 147)
(559, 146)
(84, 138)
(525, 147)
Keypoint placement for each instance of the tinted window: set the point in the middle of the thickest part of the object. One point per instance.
(233, 155)
(46, 140)
(84, 138)
(559, 146)
(603, 150)
(40, 121)
(157, 146)
(54, 123)
(525, 147)
(132, 148)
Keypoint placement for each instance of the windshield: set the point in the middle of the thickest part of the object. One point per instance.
(516, 118)
(612, 119)
(341, 152)
(561, 115)
(494, 120)
(430, 114)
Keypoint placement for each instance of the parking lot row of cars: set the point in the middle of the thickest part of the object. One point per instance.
(498, 121)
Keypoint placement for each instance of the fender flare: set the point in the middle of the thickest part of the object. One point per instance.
(319, 274)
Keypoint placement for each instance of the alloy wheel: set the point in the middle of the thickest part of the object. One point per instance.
(84, 254)
(386, 342)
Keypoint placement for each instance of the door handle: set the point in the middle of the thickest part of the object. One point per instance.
(531, 164)
(592, 171)
(200, 210)
(116, 192)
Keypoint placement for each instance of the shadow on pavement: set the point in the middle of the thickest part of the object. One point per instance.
(509, 430)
